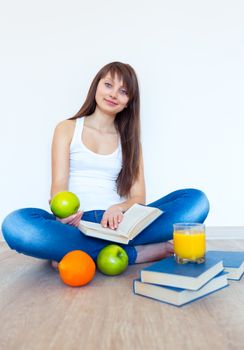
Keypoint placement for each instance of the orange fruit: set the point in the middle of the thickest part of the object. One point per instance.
(76, 268)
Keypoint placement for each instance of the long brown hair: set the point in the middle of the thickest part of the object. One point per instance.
(127, 122)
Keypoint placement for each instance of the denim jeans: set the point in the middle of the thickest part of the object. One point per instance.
(37, 233)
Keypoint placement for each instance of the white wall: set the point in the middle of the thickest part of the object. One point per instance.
(189, 58)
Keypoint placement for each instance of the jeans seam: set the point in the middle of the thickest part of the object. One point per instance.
(133, 256)
(96, 216)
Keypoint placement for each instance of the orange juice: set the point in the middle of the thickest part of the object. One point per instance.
(191, 246)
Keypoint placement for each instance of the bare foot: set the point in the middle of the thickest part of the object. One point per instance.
(54, 264)
(153, 252)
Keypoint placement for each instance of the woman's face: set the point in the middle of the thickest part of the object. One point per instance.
(111, 95)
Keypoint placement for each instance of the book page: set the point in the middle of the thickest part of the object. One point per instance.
(113, 238)
(137, 213)
(98, 227)
(142, 225)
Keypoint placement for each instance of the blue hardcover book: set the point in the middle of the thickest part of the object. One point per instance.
(179, 296)
(191, 276)
(233, 262)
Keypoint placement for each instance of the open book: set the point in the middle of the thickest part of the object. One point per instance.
(135, 219)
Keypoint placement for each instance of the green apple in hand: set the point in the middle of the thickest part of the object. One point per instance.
(112, 260)
(64, 204)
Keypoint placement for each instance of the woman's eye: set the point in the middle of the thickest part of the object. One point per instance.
(122, 91)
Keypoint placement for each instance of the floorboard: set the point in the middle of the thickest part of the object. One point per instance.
(39, 312)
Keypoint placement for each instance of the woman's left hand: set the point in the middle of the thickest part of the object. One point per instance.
(112, 217)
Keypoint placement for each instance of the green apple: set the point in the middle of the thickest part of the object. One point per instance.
(112, 260)
(64, 204)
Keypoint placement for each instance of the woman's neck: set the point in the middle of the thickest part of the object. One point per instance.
(101, 121)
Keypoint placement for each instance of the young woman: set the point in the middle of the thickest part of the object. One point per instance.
(97, 154)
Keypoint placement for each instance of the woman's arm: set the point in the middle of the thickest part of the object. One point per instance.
(60, 164)
(114, 214)
(60, 156)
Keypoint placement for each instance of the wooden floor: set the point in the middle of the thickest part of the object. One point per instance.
(39, 312)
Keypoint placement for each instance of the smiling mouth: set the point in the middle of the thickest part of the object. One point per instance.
(111, 102)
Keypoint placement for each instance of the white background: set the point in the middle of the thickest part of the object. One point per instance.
(189, 59)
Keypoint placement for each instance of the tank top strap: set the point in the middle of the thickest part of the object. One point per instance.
(76, 140)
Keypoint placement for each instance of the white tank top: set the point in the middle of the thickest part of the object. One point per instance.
(93, 176)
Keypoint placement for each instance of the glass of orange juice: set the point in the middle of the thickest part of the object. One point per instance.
(189, 242)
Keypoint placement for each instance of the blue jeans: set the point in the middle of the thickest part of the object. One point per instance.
(37, 233)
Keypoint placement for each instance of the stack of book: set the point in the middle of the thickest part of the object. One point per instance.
(166, 280)
(176, 284)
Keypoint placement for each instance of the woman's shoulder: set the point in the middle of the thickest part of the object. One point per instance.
(66, 124)
(65, 128)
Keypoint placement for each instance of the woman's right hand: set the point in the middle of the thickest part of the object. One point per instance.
(72, 220)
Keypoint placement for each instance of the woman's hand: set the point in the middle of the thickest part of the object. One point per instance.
(112, 217)
(72, 220)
